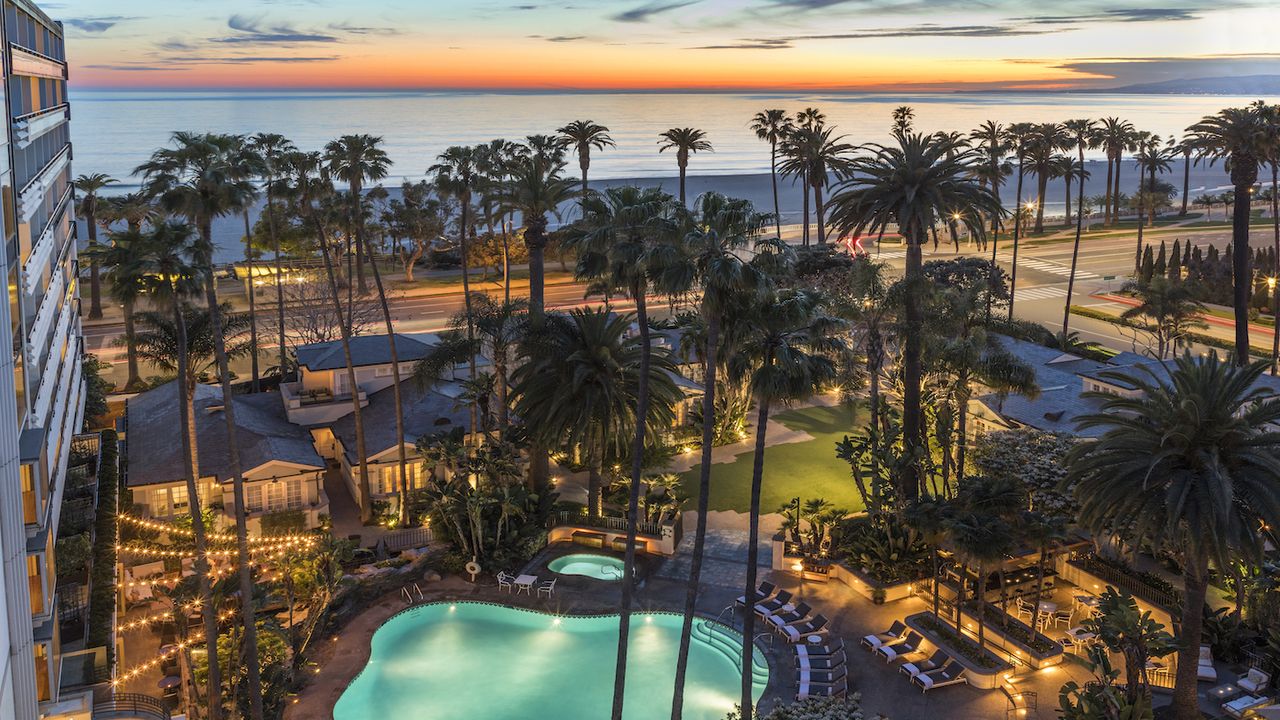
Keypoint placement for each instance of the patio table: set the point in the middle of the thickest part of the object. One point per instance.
(1223, 693)
(525, 582)
(1048, 606)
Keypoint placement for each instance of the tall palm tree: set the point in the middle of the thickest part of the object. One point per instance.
(790, 349)
(992, 140)
(126, 283)
(311, 187)
(903, 117)
(1186, 150)
(196, 177)
(772, 126)
(1019, 135)
(621, 231)
(813, 154)
(499, 327)
(1082, 132)
(1151, 159)
(1188, 464)
(583, 135)
(247, 164)
(1043, 143)
(89, 186)
(912, 184)
(1114, 136)
(274, 149)
(171, 278)
(356, 159)
(1172, 309)
(1239, 137)
(708, 257)
(684, 141)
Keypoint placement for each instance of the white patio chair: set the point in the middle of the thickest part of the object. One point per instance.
(505, 581)
(548, 587)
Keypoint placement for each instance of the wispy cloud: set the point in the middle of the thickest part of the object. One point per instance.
(95, 25)
(255, 30)
(644, 12)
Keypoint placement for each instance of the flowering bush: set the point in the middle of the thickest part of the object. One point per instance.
(1035, 459)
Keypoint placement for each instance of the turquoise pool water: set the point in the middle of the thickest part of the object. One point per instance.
(485, 662)
(599, 567)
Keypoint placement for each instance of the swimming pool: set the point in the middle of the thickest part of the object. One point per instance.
(488, 662)
(599, 567)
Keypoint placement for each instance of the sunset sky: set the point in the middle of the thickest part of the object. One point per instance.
(663, 44)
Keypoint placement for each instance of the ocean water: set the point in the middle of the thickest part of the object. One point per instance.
(114, 131)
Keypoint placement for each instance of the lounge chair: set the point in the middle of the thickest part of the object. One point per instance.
(807, 688)
(1243, 704)
(548, 588)
(786, 617)
(817, 625)
(950, 674)
(1205, 671)
(775, 604)
(830, 662)
(1255, 682)
(895, 632)
(823, 677)
(894, 650)
(935, 661)
(835, 647)
(764, 592)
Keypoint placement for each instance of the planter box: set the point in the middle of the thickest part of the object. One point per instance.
(855, 580)
(994, 635)
(979, 677)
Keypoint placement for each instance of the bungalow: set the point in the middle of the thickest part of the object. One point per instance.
(426, 411)
(281, 470)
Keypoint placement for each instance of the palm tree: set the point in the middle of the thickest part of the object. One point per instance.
(90, 186)
(1042, 145)
(356, 159)
(125, 284)
(1123, 628)
(790, 346)
(274, 149)
(813, 154)
(772, 126)
(992, 140)
(312, 186)
(1187, 463)
(1238, 137)
(1151, 159)
(583, 135)
(912, 184)
(170, 279)
(133, 209)
(1019, 135)
(499, 326)
(247, 164)
(1271, 123)
(620, 233)
(683, 141)
(1114, 135)
(197, 178)
(708, 256)
(1186, 150)
(1083, 133)
(902, 119)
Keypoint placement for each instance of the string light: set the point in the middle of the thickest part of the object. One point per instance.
(212, 536)
(163, 655)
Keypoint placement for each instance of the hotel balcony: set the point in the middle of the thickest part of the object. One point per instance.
(28, 128)
(33, 64)
(33, 192)
(312, 407)
(49, 246)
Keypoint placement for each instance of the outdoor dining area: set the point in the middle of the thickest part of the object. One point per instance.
(525, 583)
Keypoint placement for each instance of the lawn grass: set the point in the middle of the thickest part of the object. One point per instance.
(806, 469)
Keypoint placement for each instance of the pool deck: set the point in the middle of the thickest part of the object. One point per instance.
(883, 689)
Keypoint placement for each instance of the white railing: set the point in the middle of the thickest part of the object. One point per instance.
(33, 192)
(45, 314)
(28, 128)
(48, 379)
(53, 236)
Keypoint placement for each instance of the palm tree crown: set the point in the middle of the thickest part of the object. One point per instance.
(684, 141)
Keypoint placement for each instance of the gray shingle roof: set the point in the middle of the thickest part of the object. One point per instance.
(365, 350)
(1059, 402)
(425, 412)
(264, 434)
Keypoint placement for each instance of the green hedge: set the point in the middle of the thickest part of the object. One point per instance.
(1201, 338)
(102, 580)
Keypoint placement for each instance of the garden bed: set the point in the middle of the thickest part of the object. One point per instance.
(1015, 637)
(983, 668)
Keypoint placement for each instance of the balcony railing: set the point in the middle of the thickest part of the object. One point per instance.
(28, 128)
(602, 522)
(130, 705)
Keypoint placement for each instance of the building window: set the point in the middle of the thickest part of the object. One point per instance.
(35, 582)
(284, 495)
(29, 498)
(42, 672)
(389, 478)
(253, 498)
(178, 498)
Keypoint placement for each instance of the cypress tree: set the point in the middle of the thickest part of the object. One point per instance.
(1175, 262)
(1186, 256)
(1148, 266)
(1162, 261)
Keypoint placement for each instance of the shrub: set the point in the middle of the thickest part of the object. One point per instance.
(284, 521)
(849, 708)
(102, 580)
(73, 555)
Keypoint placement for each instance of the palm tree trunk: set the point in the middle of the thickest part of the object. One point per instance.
(584, 163)
(1042, 186)
(1075, 255)
(773, 177)
(1137, 257)
(633, 502)
(504, 411)
(506, 264)
(911, 370)
(704, 494)
(991, 276)
(962, 421)
(466, 298)
(357, 224)
(1017, 235)
(1194, 584)
(208, 611)
(1186, 183)
(753, 556)
(275, 246)
(682, 159)
(1115, 196)
(95, 273)
(818, 210)
(980, 604)
(344, 330)
(804, 235)
(244, 564)
(401, 457)
(1066, 213)
(1240, 257)
(594, 467)
(535, 239)
(1106, 201)
(253, 310)
(131, 350)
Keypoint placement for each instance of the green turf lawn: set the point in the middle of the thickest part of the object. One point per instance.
(806, 469)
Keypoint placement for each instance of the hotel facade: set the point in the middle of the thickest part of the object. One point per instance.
(41, 389)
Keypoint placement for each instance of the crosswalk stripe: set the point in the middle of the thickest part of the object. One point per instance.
(1047, 266)
(1040, 293)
